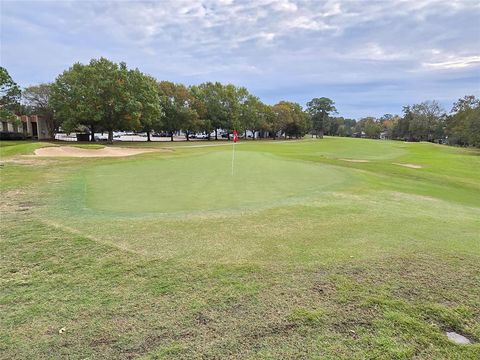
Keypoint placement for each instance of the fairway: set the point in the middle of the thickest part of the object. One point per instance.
(311, 249)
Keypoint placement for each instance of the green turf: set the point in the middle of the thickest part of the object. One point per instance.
(205, 182)
(300, 254)
(11, 148)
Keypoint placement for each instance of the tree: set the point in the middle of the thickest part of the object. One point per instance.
(290, 119)
(389, 123)
(102, 95)
(147, 95)
(250, 114)
(426, 120)
(9, 96)
(319, 110)
(463, 125)
(298, 124)
(467, 102)
(281, 117)
(180, 108)
(253, 115)
(371, 127)
(72, 98)
(234, 98)
(400, 129)
(213, 98)
(37, 99)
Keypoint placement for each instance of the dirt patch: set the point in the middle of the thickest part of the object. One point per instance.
(70, 151)
(412, 166)
(355, 160)
(457, 338)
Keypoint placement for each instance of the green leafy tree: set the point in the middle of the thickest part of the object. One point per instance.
(213, 98)
(319, 110)
(36, 98)
(252, 115)
(145, 90)
(289, 119)
(9, 96)
(102, 95)
(281, 117)
(180, 108)
(426, 120)
(463, 125)
(235, 98)
(72, 97)
(401, 127)
(371, 127)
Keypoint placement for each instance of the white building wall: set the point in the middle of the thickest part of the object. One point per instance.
(29, 127)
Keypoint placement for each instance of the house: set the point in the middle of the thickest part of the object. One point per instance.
(384, 135)
(25, 127)
(359, 134)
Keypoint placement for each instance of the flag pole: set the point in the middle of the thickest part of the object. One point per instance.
(233, 155)
(235, 139)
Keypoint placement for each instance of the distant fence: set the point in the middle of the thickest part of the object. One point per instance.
(65, 137)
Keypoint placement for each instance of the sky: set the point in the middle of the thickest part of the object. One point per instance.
(370, 57)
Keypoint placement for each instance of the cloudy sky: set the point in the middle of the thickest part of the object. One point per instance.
(370, 57)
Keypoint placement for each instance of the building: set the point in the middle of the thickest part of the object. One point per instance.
(26, 127)
(384, 135)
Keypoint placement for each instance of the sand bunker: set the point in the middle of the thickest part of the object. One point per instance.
(70, 151)
(412, 166)
(355, 160)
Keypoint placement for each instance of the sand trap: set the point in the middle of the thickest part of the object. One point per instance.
(355, 160)
(412, 166)
(70, 151)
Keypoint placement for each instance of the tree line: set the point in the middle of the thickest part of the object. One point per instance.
(104, 96)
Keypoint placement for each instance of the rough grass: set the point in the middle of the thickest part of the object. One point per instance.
(341, 260)
(11, 148)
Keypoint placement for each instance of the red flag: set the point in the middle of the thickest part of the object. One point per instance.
(235, 136)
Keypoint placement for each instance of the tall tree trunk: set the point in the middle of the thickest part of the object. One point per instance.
(110, 136)
(285, 135)
(216, 134)
(187, 135)
(171, 135)
(253, 136)
(228, 136)
(148, 135)
(92, 133)
(245, 134)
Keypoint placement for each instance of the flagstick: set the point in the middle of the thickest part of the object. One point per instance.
(233, 155)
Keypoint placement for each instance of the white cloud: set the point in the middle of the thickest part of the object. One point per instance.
(259, 43)
(454, 63)
(284, 5)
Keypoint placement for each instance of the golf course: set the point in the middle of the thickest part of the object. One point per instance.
(334, 248)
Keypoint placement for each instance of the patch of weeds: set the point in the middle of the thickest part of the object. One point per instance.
(449, 319)
(305, 316)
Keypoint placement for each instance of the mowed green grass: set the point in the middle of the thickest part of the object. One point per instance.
(300, 254)
(204, 182)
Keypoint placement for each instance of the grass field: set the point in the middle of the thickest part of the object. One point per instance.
(304, 253)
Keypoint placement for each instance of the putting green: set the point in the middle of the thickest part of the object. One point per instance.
(204, 182)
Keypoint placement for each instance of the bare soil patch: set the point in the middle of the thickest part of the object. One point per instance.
(70, 151)
(412, 166)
